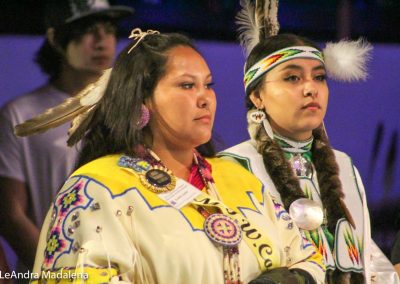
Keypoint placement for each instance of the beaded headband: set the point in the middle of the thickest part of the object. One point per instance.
(278, 57)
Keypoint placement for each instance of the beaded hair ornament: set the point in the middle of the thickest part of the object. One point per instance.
(344, 60)
(79, 107)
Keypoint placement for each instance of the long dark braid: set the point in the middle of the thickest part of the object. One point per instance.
(288, 185)
(329, 182)
(278, 168)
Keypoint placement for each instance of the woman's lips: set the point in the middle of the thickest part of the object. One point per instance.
(204, 118)
(312, 106)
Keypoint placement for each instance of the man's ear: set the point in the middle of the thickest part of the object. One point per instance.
(256, 99)
(50, 36)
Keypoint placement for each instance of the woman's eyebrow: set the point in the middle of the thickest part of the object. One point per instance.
(319, 67)
(298, 67)
(292, 66)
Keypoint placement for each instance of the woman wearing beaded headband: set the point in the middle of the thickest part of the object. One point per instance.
(287, 97)
(148, 202)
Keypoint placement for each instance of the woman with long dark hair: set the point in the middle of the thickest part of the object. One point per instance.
(287, 98)
(148, 202)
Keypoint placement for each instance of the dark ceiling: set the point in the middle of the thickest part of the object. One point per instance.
(377, 20)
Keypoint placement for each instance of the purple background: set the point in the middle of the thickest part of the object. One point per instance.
(355, 111)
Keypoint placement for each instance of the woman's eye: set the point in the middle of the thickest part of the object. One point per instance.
(292, 78)
(187, 86)
(320, 78)
(210, 85)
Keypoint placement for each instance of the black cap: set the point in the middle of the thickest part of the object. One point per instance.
(63, 12)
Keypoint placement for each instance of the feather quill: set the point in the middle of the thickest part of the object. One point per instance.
(271, 24)
(256, 22)
(67, 110)
(78, 126)
(260, 18)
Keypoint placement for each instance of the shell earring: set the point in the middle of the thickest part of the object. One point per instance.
(144, 117)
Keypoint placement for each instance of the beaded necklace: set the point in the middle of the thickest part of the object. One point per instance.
(230, 252)
(298, 154)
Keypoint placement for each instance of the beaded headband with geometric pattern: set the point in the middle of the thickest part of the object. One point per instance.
(278, 57)
(258, 21)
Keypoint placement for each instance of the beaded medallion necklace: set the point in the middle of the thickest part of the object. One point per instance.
(222, 230)
(298, 154)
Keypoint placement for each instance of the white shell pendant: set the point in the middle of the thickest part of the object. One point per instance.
(306, 213)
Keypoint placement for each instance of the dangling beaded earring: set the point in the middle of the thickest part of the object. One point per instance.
(256, 115)
(144, 117)
(254, 118)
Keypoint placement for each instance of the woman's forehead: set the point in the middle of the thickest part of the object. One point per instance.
(180, 54)
(184, 59)
(301, 64)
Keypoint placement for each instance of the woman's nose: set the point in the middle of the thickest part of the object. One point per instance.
(310, 89)
(203, 102)
(204, 98)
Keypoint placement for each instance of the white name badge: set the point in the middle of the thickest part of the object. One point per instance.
(182, 194)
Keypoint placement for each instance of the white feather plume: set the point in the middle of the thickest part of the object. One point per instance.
(248, 26)
(346, 60)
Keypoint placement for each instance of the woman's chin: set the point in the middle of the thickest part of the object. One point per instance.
(311, 125)
(203, 140)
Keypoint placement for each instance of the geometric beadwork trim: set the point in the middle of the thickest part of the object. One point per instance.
(278, 57)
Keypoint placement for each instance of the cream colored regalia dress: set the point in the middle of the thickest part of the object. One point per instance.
(106, 226)
(354, 248)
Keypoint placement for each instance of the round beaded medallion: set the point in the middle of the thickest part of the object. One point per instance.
(158, 179)
(222, 230)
